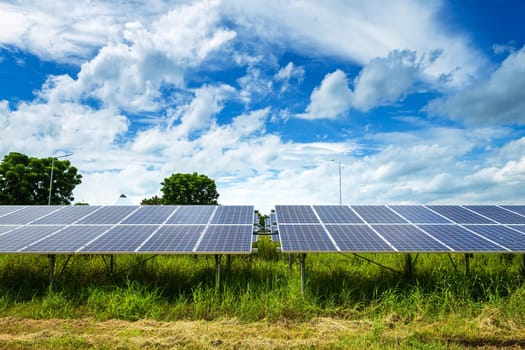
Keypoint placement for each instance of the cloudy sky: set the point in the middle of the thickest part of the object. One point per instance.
(415, 101)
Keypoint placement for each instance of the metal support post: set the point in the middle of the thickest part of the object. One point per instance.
(290, 261)
(408, 266)
(217, 272)
(467, 263)
(303, 273)
(52, 260)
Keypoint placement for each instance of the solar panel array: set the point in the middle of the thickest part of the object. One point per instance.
(126, 229)
(401, 228)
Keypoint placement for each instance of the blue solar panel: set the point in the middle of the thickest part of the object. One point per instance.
(459, 215)
(357, 238)
(505, 236)
(408, 238)
(418, 214)
(378, 214)
(25, 235)
(460, 239)
(295, 214)
(226, 239)
(150, 215)
(192, 214)
(520, 228)
(233, 214)
(66, 215)
(519, 209)
(120, 239)
(68, 240)
(304, 238)
(337, 214)
(6, 209)
(27, 214)
(4, 229)
(174, 238)
(108, 215)
(500, 215)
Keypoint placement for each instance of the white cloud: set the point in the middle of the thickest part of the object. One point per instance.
(498, 100)
(287, 73)
(331, 99)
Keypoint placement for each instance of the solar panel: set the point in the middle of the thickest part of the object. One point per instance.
(337, 214)
(68, 240)
(408, 238)
(460, 239)
(304, 238)
(174, 238)
(66, 215)
(226, 239)
(418, 214)
(27, 214)
(297, 214)
(23, 236)
(505, 236)
(459, 215)
(120, 239)
(108, 215)
(519, 209)
(520, 228)
(378, 214)
(357, 238)
(150, 215)
(6, 209)
(192, 214)
(500, 215)
(4, 229)
(234, 214)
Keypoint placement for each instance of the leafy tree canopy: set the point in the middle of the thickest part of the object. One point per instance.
(25, 180)
(186, 189)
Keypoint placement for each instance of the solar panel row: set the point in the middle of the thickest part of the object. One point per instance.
(401, 228)
(125, 229)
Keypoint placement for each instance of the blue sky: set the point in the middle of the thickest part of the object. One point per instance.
(418, 101)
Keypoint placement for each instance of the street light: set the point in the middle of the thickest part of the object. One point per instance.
(51, 176)
(340, 182)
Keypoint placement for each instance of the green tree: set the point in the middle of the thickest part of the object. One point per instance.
(25, 180)
(186, 189)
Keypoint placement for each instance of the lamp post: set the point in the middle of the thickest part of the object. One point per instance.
(51, 176)
(340, 182)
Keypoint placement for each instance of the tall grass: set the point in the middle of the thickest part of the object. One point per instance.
(262, 287)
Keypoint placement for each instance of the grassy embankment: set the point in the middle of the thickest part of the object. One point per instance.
(359, 303)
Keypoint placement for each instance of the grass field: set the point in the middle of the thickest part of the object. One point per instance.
(173, 301)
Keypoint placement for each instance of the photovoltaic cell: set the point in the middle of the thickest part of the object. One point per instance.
(304, 238)
(226, 239)
(378, 214)
(174, 238)
(25, 235)
(120, 239)
(520, 228)
(233, 214)
(342, 214)
(519, 209)
(418, 214)
(459, 239)
(357, 238)
(408, 238)
(4, 229)
(109, 215)
(66, 215)
(150, 215)
(501, 235)
(27, 214)
(459, 215)
(6, 209)
(68, 240)
(296, 214)
(498, 214)
(192, 214)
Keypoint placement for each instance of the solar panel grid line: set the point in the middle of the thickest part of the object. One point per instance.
(375, 231)
(43, 216)
(203, 233)
(11, 211)
(326, 230)
(485, 238)
(518, 209)
(421, 230)
(510, 211)
(43, 238)
(157, 230)
(504, 234)
(480, 214)
(500, 214)
(438, 213)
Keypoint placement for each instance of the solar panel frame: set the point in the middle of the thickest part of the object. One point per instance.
(233, 215)
(295, 214)
(175, 239)
(354, 238)
(305, 238)
(459, 215)
(24, 236)
(191, 215)
(498, 214)
(119, 239)
(504, 235)
(67, 215)
(460, 239)
(226, 239)
(109, 215)
(150, 215)
(337, 214)
(419, 214)
(28, 214)
(409, 238)
(378, 214)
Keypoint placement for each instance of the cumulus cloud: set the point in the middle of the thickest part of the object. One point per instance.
(498, 100)
(288, 73)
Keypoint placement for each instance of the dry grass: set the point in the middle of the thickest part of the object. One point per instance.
(318, 333)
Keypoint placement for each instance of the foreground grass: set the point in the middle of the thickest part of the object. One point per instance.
(348, 303)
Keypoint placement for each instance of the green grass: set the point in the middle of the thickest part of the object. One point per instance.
(263, 287)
